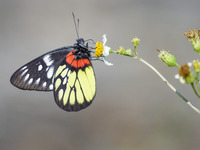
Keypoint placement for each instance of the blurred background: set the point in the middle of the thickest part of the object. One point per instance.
(133, 108)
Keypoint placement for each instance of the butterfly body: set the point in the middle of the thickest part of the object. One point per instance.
(66, 71)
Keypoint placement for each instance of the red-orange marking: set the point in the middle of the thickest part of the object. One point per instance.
(86, 61)
(76, 63)
(80, 63)
(70, 57)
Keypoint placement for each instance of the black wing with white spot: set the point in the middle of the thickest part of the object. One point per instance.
(39, 73)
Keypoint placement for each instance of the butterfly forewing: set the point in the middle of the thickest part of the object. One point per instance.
(74, 83)
(39, 73)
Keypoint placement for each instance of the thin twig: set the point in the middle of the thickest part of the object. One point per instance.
(169, 85)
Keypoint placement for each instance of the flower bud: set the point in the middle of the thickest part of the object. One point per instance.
(194, 37)
(196, 46)
(191, 34)
(128, 52)
(167, 58)
(196, 65)
(121, 50)
(185, 72)
(190, 78)
(135, 41)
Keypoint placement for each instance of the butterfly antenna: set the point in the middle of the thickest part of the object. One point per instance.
(76, 26)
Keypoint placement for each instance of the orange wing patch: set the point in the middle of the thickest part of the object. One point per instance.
(70, 57)
(82, 62)
(77, 63)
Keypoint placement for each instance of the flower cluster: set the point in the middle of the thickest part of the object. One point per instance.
(194, 37)
(188, 73)
(185, 74)
(102, 50)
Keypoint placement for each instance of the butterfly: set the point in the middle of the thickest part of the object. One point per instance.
(66, 71)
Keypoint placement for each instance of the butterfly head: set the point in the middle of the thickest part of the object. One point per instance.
(81, 49)
(80, 41)
(80, 44)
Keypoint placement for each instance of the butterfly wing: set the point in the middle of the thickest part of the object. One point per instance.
(74, 83)
(39, 73)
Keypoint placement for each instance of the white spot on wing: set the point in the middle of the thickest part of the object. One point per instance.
(37, 81)
(44, 84)
(51, 87)
(24, 67)
(50, 72)
(40, 67)
(48, 60)
(24, 72)
(65, 81)
(26, 77)
(30, 81)
(68, 73)
(52, 79)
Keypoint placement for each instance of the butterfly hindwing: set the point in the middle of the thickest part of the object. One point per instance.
(39, 73)
(74, 83)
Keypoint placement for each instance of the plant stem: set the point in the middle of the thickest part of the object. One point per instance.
(195, 91)
(197, 80)
(134, 50)
(168, 84)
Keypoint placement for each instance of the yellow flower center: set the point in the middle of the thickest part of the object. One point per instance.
(99, 49)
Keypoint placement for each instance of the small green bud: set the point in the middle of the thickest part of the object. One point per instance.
(196, 65)
(196, 46)
(121, 50)
(167, 58)
(135, 41)
(128, 52)
(190, 78)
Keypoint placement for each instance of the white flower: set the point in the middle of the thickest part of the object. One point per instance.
(180, 78)
(189, 64)
(106, 48)
(104, 40)
(107, 63)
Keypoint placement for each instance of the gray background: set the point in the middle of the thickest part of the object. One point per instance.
(133, 108)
